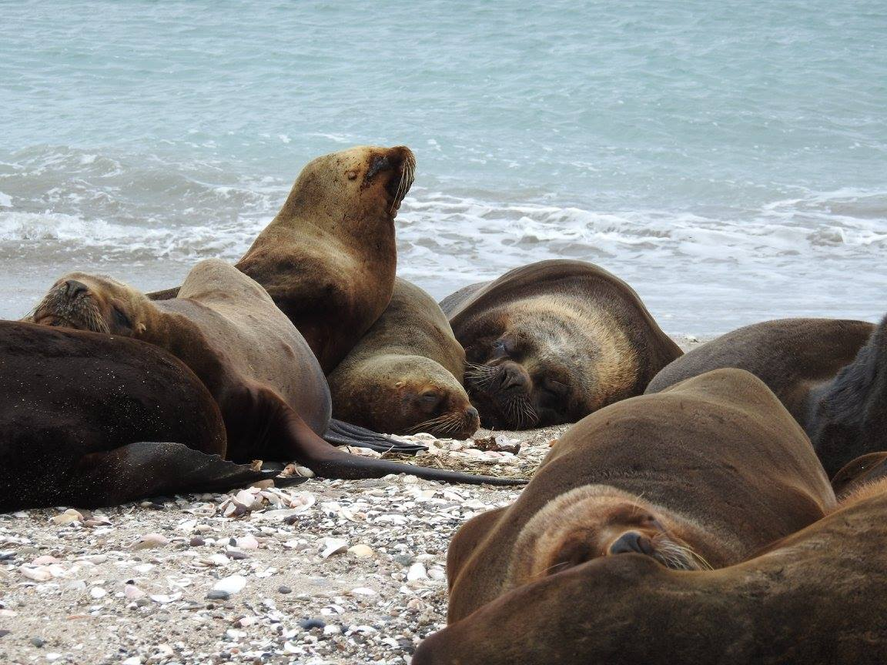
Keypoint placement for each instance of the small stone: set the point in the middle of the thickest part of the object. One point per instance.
(39, 574)
(247, 543)
(38, 642)
(236, 555)
(218, 595)
(132, 592)
(44, 560)
(284, 589)
(332, 630)
(196, 541)
(97, 592)
(361, 551)
(149, 541)
(308, 624)
(4, 633)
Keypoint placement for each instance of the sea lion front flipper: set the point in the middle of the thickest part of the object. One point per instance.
(166, 294)
(145, 469)
(340, 433)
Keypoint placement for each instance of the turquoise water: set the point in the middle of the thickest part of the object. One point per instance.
(728, 159)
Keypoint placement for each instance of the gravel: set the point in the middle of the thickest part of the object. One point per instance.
(330, 571)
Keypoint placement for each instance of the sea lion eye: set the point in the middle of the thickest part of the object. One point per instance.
(120, 318)
(430, 397)
(502, 348)
(351, 175)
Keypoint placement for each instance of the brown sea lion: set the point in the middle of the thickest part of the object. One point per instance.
(862, 471)
(830, 374)
(405, 374)
(89, 419)
(328, 258)
(553, 341)
(697, 477)
(269, 387)
(815, 597)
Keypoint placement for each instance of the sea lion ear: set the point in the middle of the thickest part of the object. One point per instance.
(399, 384)
(140, 328)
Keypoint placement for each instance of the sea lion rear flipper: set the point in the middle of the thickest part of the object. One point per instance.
(340, 433)
(149, 469)
(166, 294)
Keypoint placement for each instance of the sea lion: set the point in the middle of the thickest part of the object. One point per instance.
(830, 374)
(270, 389)
(815, 597)
(328, 258)
(859, 473)
(94, 420)
(699, 476)
(405, 374)
(553, 341)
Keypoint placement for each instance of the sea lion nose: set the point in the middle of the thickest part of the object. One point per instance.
(75, 288)
(472, 414)
(631, 541)
(512, 376)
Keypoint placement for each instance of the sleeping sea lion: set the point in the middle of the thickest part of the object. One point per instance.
(95, 420)
(328, 258)
(815, 597)
(830, 374)
(405, 374)
(269, 387)
(553, 341)
(697, 477)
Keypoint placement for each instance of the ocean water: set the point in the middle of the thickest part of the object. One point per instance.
(729, 160)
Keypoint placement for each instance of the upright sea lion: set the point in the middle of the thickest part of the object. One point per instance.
(405, 374)
(269, 387)
(830, 374)
(699, 476)
(94, 420)
(328, 258)
(553, 341)
(816, 597)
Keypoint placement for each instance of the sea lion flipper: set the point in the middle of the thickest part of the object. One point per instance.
(341, 433)
(166, 294)
(149, 469)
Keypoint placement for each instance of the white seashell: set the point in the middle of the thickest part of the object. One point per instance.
(97, 592)
(4, 613)
(132, 592)
(134, 660)
(363, 591)
(233, 634)
(187, 526)
(333, 546)
(40, 574)
(305, 472)
(230, 585)
(67, 517)
(144, 567)
(247, 542)
(163, 599)
(417, 572)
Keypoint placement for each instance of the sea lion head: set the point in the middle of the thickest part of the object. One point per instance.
(545, 363)
(369, 181)
(407, 395)
(430, 399)
(95, 303)
(598, 521)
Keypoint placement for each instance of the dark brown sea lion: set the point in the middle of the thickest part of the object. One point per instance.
(92, 420)
(405, 374)
(328, 258)
(861, 472)
(553, 341)
(269, 387)
(816, 597)
(830, 374)
(699, 476)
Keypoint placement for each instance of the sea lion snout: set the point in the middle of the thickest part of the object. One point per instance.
(512, 377)
(631, 542)
(74, 288)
